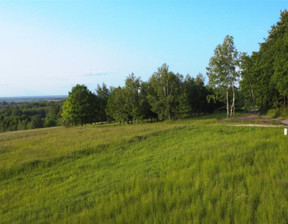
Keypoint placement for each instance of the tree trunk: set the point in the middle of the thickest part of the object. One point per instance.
(284, 104)
(233, 101)
(227, 102)
(251, 91)
(277, 105)
(252, 95)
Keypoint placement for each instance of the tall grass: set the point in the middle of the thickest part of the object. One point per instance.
(278, 113)
(191, 171)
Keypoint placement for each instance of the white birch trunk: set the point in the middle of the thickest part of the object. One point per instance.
(233, 101)
(227, 102)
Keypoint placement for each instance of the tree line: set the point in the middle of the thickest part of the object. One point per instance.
(165, 95)
(236, 81)
(264, 82)
(257, 81)
(22, 116)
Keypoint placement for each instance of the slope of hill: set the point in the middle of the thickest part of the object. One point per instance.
(190, 171)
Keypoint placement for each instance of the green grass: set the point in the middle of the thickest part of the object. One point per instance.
(190, 171)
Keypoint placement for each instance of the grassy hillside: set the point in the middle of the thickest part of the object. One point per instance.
(191, 171)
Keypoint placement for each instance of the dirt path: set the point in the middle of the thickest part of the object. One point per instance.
(256, 125)
(261, 121)
(285, 122)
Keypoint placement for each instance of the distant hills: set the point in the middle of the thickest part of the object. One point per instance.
(29, 99)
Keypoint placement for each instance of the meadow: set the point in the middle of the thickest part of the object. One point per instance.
(190, 171)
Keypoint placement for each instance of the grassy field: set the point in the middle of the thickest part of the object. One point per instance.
(190, 171)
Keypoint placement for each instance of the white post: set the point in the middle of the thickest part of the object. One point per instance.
(285, 131)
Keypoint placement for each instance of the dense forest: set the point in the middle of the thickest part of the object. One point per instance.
(236, 81)
(21, 116)
(264, 74)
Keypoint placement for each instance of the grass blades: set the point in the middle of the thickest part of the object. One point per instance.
(190, 171)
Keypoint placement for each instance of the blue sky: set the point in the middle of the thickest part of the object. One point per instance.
(46, 47)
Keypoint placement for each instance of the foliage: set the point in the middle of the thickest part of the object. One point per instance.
(80, 107)
(165, 96)
(53, 117)
(164, 92)
(265, 73)
(116, 107)
(102, 99)
(192, 171)
(22, 116)
(145, 108)
(132, 97)
(279, 32)
(36, 121)
(195, 94)
(124, 104)
(247, 81)
(223, 72)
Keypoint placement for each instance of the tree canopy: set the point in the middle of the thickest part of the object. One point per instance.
(29, 115)
(223, 72)
(164, 92)
(166, 95)
(265, 73)
(80, 107)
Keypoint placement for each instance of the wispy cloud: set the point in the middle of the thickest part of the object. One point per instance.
(93, 74)
(5, 84)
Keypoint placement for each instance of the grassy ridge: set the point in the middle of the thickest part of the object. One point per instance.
(193, 171)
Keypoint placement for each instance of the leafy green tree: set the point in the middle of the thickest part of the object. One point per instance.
(37, 121)
(80, 107)
(21, 116)
(279, 33)
(193, 98)
(258, 73)
(124, 103)
(164, 92)
(54, 115)
(184, 109)
(248, 81)
(116, 106)
(197, 94)
(266, 71)
(132, 97)
(145, 108)
(223, 72)
(102, 97)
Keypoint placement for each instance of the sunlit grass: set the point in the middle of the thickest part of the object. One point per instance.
(189, 171)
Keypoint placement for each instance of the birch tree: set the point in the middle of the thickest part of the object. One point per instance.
(132, 97)
(164, 92)
(223, 72)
